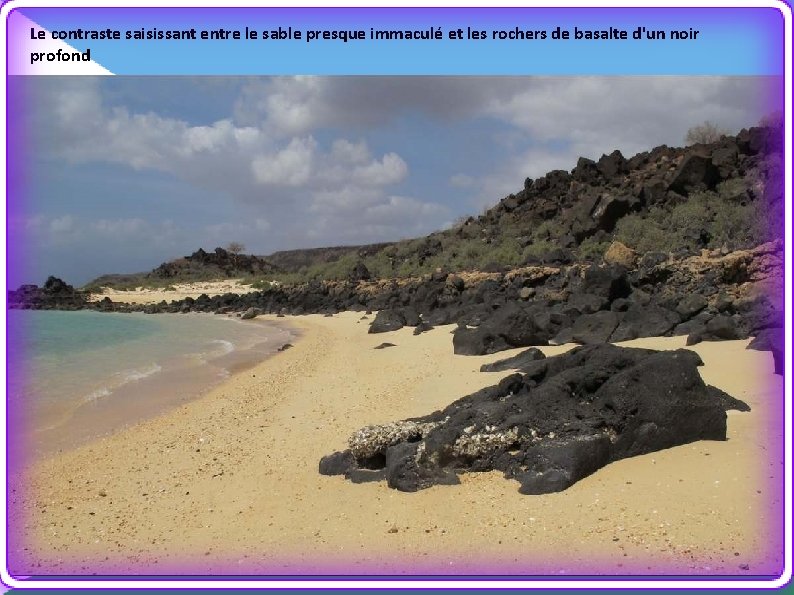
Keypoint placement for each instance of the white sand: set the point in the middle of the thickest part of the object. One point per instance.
(180, 291)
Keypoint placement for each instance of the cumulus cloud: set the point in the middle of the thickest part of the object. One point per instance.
(291, 166)
(296, 152)
(273, 161)
(593, 115)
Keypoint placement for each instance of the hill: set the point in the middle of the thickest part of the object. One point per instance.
(199, 266)
(724, 195)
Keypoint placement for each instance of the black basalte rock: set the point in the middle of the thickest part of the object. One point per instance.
(54, 295)
(248, 314)
(644, 321)
(612, 165)
(767, 339)
(696, 172)
(587, 303)
(423, 327)
(594, 328)
(510, 326)
(387, 320)
(690, 305)
(721, 328)
(514, 363)
(609, 282)
(609, 209)
(385, 345)
(480, 340)
(561, 420)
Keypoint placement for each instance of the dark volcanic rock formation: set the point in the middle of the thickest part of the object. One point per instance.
(510, 326)
(217, 264)
(55, 295)
(560, 420)
(514, 363)
(387, 320)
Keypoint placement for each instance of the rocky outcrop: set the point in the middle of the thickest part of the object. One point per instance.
(712, 296)
(218, 264)
(54, 295)
(387, 320)
(510, 326)
(557, 421)
(514, 363)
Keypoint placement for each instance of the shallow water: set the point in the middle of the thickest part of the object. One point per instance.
(74, 376)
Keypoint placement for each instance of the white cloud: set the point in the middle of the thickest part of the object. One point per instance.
(292, 166)
(279, 152)
(62, 225)
(116, 228)
(389, 170)
(595, 115)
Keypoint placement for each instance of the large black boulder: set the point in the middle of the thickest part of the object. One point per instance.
(387, 320)
(644, 321)
(690, 305)
(609, 209)
(612, 165)
(562, 420)
(768, 339)
(609, 282)
(510, 326)
(514, 363)
(696, 172)
(594, 328)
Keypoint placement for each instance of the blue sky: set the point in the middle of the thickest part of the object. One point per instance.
(122, 173)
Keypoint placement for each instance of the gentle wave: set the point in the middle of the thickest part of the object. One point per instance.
(123, 378)
(140, 374)
(98, 394)
(226, 347)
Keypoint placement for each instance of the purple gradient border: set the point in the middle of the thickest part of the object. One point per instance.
(15, 131)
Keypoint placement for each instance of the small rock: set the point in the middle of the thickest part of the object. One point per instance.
(526, 292)
(249, 314)
(619, 253)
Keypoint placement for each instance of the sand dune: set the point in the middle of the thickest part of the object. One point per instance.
(179, 291)
(229, 483)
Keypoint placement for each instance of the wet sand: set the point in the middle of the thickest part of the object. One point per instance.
(228, 484)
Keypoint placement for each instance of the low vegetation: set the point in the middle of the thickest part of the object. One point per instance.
(723, 192)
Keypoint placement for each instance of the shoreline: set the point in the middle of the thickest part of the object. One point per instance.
(228, 482)
(115, 402)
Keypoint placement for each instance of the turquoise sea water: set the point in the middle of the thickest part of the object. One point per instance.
(78, 375)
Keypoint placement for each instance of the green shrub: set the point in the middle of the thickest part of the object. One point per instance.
(537, 249)
(591, 249)
(643, 235)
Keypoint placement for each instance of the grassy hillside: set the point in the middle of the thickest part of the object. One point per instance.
(726, 194)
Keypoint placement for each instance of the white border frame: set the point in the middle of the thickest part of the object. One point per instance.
(374, 583)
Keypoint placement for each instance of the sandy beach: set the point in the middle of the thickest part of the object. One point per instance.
(229, 483)
(176, 291)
